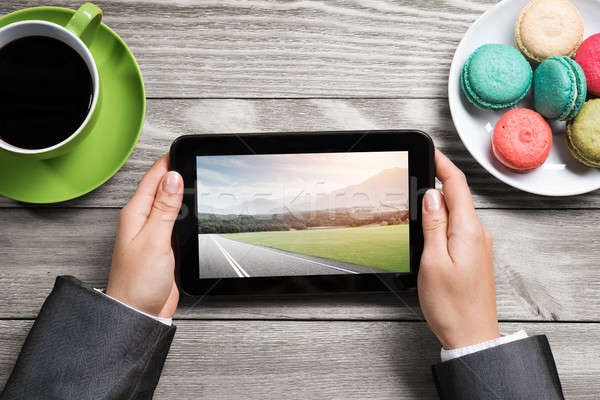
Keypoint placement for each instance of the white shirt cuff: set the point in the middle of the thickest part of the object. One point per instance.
(166, 321)
(463, 351)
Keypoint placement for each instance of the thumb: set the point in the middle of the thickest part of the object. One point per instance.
(435, 222)
(165, 208)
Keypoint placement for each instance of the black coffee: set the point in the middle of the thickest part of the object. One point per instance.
(45, 92)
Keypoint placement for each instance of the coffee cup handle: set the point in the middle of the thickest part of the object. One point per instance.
(85, 22)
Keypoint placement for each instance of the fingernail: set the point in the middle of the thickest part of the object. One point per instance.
(171, 183)
(433, 200)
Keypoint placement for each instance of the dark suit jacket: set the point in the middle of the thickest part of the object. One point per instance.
(521, 370)
(85, 345)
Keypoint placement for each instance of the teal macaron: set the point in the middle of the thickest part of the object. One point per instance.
(559, 88)
(495, 76)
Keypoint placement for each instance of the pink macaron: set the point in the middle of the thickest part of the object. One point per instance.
(588, 57)
(521, 140)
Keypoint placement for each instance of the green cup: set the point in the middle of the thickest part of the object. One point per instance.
(77, 34)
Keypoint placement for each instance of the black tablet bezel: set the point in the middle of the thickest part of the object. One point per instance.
(185, 149)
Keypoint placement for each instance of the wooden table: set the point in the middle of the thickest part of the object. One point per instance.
(259, 66)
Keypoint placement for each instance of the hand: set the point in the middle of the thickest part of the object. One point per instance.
(142, 271)
(456, 277)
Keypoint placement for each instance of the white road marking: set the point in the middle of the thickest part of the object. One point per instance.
(234, 264)
(303, 259)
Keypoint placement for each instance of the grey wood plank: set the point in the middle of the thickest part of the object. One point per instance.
(190, 48)
(546, 268)
(168, 119)
(325, 360)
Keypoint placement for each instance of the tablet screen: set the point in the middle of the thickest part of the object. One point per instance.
(303, 214)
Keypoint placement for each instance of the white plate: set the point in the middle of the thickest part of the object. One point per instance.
(561, 174)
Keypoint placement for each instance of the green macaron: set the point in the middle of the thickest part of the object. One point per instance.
(583, 134)
(495, 76)
(559, 88)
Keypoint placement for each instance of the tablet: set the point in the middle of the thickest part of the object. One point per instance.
(300, 212)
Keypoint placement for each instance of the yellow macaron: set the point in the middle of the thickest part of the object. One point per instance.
(583, 134)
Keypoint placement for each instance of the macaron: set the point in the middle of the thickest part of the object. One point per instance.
(559, 88)
(588, 57)
(495, 76)
(521, 140)
(583, 134)
(547, 28)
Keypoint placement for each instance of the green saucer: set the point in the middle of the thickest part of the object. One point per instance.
(100, 155)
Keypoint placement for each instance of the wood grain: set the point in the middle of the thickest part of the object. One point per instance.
(546, 268)
(325, 360)
(262, 49)
(168, 119)
(260, 66)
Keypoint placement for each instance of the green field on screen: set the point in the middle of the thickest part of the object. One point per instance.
(382, 247)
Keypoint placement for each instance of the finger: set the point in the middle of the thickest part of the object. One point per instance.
(136, 211)
(148, 186)
(171, 304)
(435, 223)
(456, 192)
(165, 208)
(489, 239)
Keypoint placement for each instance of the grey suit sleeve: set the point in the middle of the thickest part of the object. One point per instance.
(84, 345)
(523, 369)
